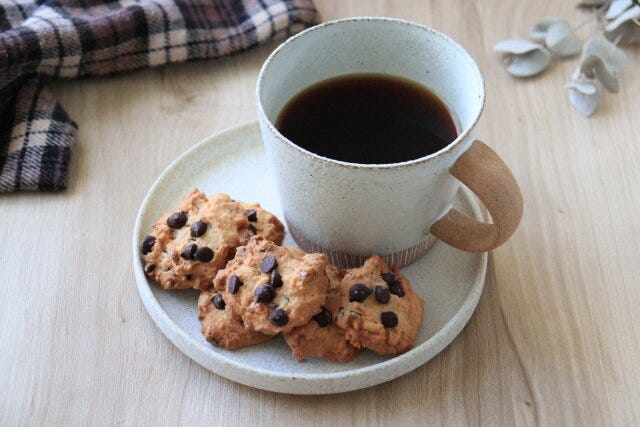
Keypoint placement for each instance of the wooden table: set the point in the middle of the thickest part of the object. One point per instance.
(556, 336)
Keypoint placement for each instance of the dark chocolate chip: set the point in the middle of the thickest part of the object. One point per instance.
(147, 244)
(276, 279)
(204, 254)
(252, 229)
(189, 252)
(397, 289)
(268, 264)
(390, 278)
(264, 293)
(279, 317)
(149, 268)
(389, 319)
(177, 220)
(359, 292)
(252, 215)
(218, 302)
(234, 283)
(188, 276)
(382, 294)
(323, 318)
(198, 228)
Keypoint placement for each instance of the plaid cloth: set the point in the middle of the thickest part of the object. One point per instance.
(77, 38)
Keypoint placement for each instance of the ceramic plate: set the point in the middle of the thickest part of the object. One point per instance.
(450, 281)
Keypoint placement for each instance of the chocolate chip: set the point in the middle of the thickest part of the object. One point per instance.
(231, 254)
(204, 254)
(198, 228)
(147, 244)
(359, 292)
(218, 302)
(323, 318)
(252, 215)
(276, 279)
(389, 319)
(234, 283)
(382, 294)
(177, 220)
(396, 289)
(188, 276)
(390, 278)
(279, 317)
(149, 268)
(189, 252)
(252, 229)
(268, 264)
(264, 293)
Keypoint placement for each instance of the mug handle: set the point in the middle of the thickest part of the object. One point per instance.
(484, 172)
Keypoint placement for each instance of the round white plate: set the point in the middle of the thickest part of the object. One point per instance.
(450, 281)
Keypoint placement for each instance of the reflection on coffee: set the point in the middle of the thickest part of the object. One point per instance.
(368, 119)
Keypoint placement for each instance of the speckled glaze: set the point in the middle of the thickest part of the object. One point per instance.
(449, 280)
(356, 208)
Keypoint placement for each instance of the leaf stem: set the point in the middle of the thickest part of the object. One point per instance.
(583, 23)
(617, 39)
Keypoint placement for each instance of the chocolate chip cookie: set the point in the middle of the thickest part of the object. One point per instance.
(189, 245)
(274, 289)
(379, 309)
(221, 326)
(321, 337)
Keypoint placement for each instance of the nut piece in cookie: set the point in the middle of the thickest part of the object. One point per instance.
(274, 289)
(221, 326)
(321, 337)
(189, 245)
(379, 309)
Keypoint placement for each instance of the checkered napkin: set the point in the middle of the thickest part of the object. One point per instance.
(77, 38)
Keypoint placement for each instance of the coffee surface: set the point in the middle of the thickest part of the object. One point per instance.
(368, 119)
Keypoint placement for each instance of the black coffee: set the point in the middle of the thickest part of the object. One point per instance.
(368, 118)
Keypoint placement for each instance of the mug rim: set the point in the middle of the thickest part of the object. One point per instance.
(461, 136)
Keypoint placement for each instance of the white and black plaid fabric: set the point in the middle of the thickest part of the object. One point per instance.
(76, 38)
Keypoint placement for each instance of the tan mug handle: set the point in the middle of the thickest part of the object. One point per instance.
(484, 172)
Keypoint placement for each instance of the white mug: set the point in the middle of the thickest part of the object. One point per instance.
(352, 210)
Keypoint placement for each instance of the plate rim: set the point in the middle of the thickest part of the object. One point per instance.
(395, 366)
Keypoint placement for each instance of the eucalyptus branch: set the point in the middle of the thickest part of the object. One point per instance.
(617, 23)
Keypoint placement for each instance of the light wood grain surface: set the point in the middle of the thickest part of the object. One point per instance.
(556, 336)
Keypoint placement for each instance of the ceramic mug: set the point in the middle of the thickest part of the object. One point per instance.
(350, 210)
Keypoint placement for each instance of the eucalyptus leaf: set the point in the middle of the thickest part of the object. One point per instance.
(539, 31)
(626, 34)
(592, 3)
(531, 63)
(584, 103)
(561, 40)
(627, 15)
(614, 58)
(516, 46)
(584, 87)
(616, 8)
(593, 66)
(576, 74)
